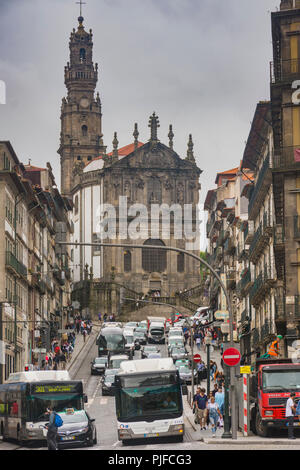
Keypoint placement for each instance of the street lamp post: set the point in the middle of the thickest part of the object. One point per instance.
(208, 343)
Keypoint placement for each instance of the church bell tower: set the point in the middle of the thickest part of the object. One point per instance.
(81, 116)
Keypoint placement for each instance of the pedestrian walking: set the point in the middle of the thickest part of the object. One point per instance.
(55, 421)
(214, 414)
(290, 411)
(201, 402)
(220, 399)
(84, 334)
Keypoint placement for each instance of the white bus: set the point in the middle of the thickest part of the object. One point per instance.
(24, 399)
(148, 400)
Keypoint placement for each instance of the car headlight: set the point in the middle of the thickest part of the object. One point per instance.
(269, 413)
(84, 429)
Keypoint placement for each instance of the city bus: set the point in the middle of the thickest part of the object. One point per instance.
(148, 400)
(25, 397)
(111, 340)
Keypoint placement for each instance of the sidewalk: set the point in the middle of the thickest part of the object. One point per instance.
(80, 344)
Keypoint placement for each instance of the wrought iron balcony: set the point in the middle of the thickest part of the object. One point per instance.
(249, 232)
(260, 241)
(261, 186)
(261, 286)
(12, 262)
(245, 283)
(284, 70)
(287, 158)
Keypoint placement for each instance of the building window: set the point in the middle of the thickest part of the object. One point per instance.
(180, 262)
(127, 261)
(82, 54)
(96, 250)
(154, 260)
(76, 205)
(154, 191)
(84, 130)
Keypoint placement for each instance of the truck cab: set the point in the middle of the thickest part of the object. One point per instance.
(270, 386)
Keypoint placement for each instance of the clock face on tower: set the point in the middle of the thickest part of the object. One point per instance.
(84, 103)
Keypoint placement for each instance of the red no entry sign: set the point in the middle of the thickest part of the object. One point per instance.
(197, 358)
(231, 357)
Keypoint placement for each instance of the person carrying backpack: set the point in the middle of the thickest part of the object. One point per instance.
(55, 422)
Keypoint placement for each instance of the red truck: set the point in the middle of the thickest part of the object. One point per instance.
(270, 387)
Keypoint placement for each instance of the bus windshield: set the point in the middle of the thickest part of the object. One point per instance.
(281, 380)
(111, 342)
(58, 396)
(151, 397)
(38, 404)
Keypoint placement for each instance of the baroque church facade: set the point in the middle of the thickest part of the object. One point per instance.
(139, 176)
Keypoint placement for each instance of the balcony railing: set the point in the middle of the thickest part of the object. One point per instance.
(287, 158)
(284, 70)
(261, 286)
(249, 232)
(12, 262)
(261, 182)
(260, 240)
(255, 336)
(245, 283)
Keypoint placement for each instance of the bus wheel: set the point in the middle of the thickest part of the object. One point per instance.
(261, 428)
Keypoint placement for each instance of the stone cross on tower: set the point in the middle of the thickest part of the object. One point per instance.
(153, 124)
(81, 3)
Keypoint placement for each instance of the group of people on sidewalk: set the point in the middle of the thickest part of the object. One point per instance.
(209, 409)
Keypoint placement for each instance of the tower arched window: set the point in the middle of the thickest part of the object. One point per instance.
(82, 54)
(84, 130)
(127, 261)
(154, 260)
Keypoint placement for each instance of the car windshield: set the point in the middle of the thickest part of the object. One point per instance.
(184, 370)
(100, 360)
(177, 351)
(129, 339)
(283, 379)
(139, 334)
(176, 333)
(77, 417)
(150, 348)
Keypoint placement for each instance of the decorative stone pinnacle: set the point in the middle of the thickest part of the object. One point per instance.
(153, 124)
(171, 135)
(136, 136)
(115, 143)
(190, 151)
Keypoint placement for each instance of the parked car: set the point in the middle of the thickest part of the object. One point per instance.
(185, 374)
(139, 338)
(175, 341)
(178, 353)
(107, 382)
(78, 429)
(98, 365)
(146, 350)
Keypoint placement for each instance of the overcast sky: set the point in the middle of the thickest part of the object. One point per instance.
(201, 65)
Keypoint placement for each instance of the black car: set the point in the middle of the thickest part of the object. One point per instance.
(107, 382)
(139, 337)
(78, 429)
(146, 350)
(99, 365)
